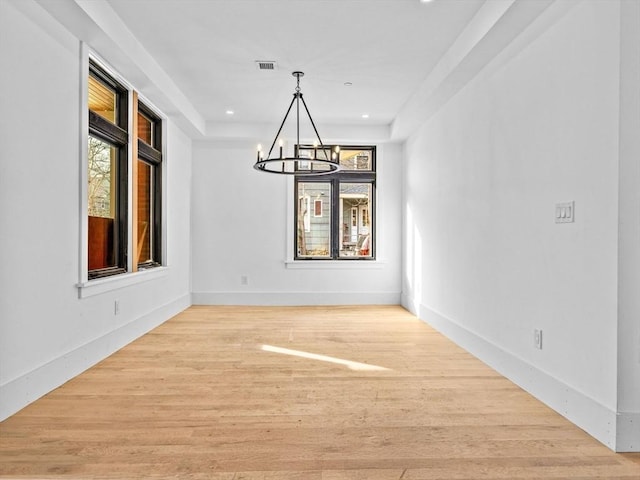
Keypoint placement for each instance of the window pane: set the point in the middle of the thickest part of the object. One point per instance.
(313, 153)
(314, 219)
(145, 212)
(355, 220)
(145, 130)
(102, 99)
(355, 159)
(101, 203)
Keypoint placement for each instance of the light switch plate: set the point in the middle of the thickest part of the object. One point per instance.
(565, 212)
(537, 339)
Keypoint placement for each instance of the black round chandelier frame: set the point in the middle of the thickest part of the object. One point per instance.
(297, 165)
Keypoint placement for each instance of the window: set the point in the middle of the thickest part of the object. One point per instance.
(107, 174)
(110, 145)
(147, 201)
(340, 226)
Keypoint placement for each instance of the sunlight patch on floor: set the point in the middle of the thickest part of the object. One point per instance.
(324, 358)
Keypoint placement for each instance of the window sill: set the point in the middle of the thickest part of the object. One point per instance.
(103, 285)
(335, 264)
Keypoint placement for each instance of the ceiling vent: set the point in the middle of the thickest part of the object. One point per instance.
(265, 65)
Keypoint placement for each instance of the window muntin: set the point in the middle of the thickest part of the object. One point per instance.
(335, 213)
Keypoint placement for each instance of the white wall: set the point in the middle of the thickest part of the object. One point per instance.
(628, 425)
(240, 227)
(47, 334)
(484, 260)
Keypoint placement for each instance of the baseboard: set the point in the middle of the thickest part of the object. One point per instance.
(20, 392)
(295, 298)
(591, 416)
(628, 432)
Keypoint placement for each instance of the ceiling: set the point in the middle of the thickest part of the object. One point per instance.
(195, 60)
(384, 48)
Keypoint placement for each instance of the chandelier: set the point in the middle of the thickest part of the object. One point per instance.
(316, 160)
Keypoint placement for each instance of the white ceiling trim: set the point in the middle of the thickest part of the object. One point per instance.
(96, 23)
(493, 28)
(103, 15)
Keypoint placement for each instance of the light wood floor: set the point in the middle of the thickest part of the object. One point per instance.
(209, 395)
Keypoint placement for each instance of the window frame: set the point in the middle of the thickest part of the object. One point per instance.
(335, 179)
(153, 156)
(117, 136)
(129, 272)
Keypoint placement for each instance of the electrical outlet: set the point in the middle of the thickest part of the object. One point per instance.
(116, 307)
(244, 280)
(537, 339)
(565, 212)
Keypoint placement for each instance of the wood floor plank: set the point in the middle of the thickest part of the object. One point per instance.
(230, 393)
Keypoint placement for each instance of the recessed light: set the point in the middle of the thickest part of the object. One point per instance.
(229, 112)
(365, 115)
(347, 84)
